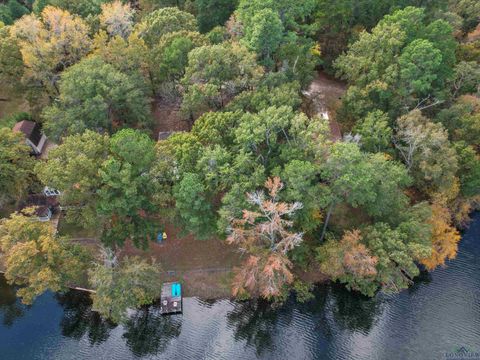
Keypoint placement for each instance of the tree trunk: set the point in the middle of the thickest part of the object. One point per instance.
(327, 219)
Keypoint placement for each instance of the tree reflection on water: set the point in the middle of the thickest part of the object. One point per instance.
(10, 307)
(147, 332)
(79, 320)
(255, 322)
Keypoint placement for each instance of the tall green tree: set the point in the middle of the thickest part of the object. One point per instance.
(72, 168)
(193, 206)
(163, 21)
(215, 73)
(125, 196)
(364, 180)
(16, 165)
(94, 95)
(403, 63)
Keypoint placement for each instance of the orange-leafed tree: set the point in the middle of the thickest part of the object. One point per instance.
(349, 261)
(265, 235)
(445, 237)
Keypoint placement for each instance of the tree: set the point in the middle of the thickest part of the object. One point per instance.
(94, 95)
(467, 78)
(49, 44)
(350, 262)
(375, 132)
(129, 56)
(16, 165)
(72, 168)
(125, 196)
(169, 57)
(215, 73)
(468, 10)
(83, 8)
(265, 35)
(404, 63)
(468, 169)
(193, 206)
(117, 18)
(12, 10)
(399, 248)
(462, 120)
(36, 259)
(11, 62)
(370, 181)
(444, 238)
(211, 13)
(123, 285)
(265, 236)
(426, 151)
(267, 95)
(163, 21)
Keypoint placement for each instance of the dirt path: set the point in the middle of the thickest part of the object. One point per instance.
(324, 94)
(167, 118)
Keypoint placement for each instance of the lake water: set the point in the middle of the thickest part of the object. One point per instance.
(432, 320)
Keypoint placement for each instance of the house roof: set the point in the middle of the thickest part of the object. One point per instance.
(30, 129)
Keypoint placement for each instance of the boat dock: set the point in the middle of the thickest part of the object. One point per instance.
(171, 298)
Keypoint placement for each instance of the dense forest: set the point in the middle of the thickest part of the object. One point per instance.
(246, 161)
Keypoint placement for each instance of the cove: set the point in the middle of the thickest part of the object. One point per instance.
(434, 319)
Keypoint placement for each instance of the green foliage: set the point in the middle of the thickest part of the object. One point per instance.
(94, 95)
(265, 35)
(375, 132)
(468, 10)
(16, 165)
(398, 249)
(84, 8)
(125, 198)
(265, 96)
(12, 10)
(404, 62)
(72, 168)
(468, 169)
(303, 291)
(193, 206)
(467, 78)
(211, 13)
(163, 21)
(427, 152)
(130, 284)
(462, 120)
(210, 69)
(366, 180)
(169, 57)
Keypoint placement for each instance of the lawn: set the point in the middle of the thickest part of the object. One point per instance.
(75, 231)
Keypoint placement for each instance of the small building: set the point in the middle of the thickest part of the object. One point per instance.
(33, 135)
(171, 298)
(164, 135)
(44, 206)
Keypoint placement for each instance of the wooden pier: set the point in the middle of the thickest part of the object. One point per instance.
(171, 298)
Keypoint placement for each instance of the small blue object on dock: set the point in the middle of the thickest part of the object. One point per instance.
(171, 298)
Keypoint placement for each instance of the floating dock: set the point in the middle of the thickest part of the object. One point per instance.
(171, 298)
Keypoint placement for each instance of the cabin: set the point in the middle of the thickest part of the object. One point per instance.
(33, 135)
(171, 298)
(45, 206)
